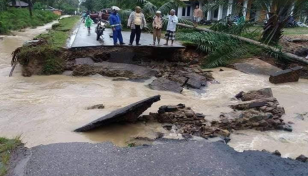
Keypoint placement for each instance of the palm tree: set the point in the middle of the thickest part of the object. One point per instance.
(279, 14)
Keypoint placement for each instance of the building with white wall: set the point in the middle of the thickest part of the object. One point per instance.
(231, 7)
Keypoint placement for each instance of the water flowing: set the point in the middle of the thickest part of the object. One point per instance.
(46, 109)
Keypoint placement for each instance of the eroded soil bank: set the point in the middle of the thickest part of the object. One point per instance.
(46, 109)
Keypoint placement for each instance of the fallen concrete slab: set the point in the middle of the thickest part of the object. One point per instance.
(289, 75)
(128, 113)
(256, 66)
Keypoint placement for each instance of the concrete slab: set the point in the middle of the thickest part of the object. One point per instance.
(83, 39)
(128, 113)
(256, 66)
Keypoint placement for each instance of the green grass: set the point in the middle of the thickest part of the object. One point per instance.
(57, 37)
(49, 54)
(295, 31)
(6, 148)
(287, 31)
(15, 19)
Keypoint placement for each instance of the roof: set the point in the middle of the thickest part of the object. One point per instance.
(19, 4)
(53, 9)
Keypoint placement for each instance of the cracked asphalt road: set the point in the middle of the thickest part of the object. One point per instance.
(170, 158)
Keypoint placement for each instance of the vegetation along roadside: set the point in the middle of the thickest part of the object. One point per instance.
(7, 146)
(15, 19)
(47, 55)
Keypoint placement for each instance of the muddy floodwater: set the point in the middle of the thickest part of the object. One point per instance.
(46, 109)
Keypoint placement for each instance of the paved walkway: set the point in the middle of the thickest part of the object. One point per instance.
(82, 38)
(180, 158)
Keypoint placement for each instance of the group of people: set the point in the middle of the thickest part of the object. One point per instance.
(136, 22)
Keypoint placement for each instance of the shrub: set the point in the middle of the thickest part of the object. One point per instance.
(14, 19)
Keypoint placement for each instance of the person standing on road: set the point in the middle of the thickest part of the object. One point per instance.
(157, 25)
(88, 23)
(171, 27)
(136, 22)
(198, 15)
(100, 14)
(84, 15)
(115, 22)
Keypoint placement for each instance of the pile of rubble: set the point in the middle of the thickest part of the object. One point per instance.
(259, 111)
(175, 78)
(184, 121)
(170, 76)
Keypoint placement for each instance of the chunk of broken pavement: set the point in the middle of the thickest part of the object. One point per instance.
(302, 158)
(166, 85)
(289, 75)
(128, 113)
(195, 80)
(256, 94)
(169, 108)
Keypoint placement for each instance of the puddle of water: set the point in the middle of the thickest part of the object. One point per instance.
(121, 134)
(46, 109)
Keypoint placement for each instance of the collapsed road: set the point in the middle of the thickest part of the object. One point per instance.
(128, 113)
(172, 158)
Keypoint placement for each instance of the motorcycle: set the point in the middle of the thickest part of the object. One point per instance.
(205, 22)
(100, 28)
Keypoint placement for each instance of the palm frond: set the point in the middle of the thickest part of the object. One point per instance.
(149, 8)
(165, 8)
(124, 14)
(219, 47)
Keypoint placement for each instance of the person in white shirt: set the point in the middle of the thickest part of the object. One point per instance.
(171, 27)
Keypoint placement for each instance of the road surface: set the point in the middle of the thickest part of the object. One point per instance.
(83, 39)
(180, 158)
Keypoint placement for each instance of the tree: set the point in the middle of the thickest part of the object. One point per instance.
(30, 7)
(89, 4)
(279, 14)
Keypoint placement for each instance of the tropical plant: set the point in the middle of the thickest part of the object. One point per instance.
(278, 10)
(219, 47)
(279, 15)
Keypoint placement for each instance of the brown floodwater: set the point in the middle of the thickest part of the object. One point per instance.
(46, 109)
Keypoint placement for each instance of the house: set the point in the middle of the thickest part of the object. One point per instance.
(232, 8)
(54, 10)
(19, 4)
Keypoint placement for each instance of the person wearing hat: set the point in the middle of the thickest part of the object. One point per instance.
(136, 22)
(171, 27)
(115, 23)
(157, 26)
